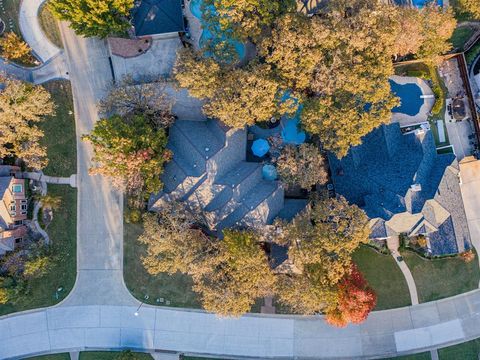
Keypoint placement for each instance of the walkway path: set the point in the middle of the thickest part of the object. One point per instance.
(393, 244)
(55, 68)
(39, 176)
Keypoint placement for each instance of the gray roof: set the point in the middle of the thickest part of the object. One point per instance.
(152, 17)
(209, 173)
(394, 175)
(4, 184)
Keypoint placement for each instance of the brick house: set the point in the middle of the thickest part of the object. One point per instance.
(13, 209)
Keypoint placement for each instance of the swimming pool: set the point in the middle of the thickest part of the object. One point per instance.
(410, 98)
(207, 36)
(422, 3)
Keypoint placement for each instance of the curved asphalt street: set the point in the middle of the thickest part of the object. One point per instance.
(99, 312)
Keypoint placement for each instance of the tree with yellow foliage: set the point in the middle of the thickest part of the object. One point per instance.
(471, 7)
(246, 19)
(94, 17)
(238, 275)
(173, 244)
(236, 96)
(322, 240)
(22, 106)
(13, 47)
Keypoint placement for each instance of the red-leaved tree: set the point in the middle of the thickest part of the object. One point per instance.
(356, 299)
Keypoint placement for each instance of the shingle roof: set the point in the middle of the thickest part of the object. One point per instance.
(401, 179)
(151, 17)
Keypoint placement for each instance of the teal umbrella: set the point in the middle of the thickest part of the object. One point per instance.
(269, 172)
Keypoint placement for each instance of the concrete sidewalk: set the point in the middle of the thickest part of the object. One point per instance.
(32, 31)
(384, 334)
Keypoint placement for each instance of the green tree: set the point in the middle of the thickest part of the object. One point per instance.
(22, 105)
(296, 46)
(247, 96)
(306, 293)
(343, 119)
(13, 47)
(303, 165)
(200, 75)
(131, 151)
(236, 96)
(238, 275)
(438, 26)
(321, 241)
(94, 17)
(246, 19)
(409, 31)
(339, 65)
(173, 244)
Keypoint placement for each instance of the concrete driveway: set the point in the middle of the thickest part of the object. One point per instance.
(470, 174)
(157, 62)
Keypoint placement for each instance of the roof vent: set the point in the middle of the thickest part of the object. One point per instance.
(416, 187)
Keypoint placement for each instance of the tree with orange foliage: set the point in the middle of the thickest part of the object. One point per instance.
(355, 300)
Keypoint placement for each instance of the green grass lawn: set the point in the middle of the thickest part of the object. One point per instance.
(62, 232)
(175, 288)
(467, 351)
(441, 278)
(61, 147)
(110, 355)
(418, 69)
(49, 26)
(420, 356)
(460, 36)
(384, 276)
(60, 131)
(63, 356)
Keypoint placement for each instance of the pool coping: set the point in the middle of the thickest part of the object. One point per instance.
(423, 114)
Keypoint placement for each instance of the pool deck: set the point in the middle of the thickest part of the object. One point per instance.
(422, 116)
(194, 25)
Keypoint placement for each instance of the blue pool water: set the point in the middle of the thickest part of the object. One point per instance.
(196, 9)
(208, 36)
(291, 132)
(422, 3)
(410, 101)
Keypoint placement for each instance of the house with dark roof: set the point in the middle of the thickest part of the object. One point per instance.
(406, 188)
(13, 209)
(209, 172)
(157, 17)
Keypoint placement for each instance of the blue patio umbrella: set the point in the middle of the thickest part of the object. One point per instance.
(260, 147)
(269, 172)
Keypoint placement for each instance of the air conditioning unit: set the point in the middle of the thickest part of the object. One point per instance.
(416, 187)
(419, 131)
